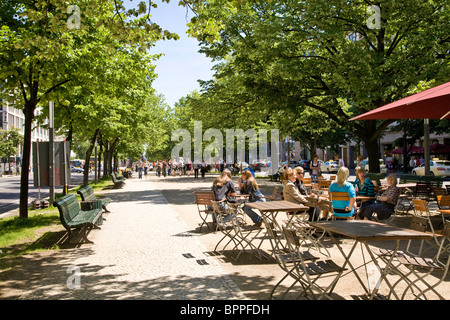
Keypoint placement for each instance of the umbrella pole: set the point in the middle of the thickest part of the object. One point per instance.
(426, 145)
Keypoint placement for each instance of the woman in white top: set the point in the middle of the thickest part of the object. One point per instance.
(315, 168)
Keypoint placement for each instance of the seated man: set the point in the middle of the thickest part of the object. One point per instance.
(385, 205)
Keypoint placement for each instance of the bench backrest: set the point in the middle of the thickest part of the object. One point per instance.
(436, 181)
(68, 207)
(86, 193)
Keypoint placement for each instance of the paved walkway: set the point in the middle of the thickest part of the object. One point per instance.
(142, 252)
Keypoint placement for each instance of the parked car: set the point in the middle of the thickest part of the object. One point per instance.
(330, 166)
(258, 165)
(305, 165)
(365, 165)
(437, 168)
(76, 169)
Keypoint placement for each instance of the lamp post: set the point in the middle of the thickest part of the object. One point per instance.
(51, 169)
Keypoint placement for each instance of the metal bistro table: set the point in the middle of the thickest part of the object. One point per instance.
(270, 209)
(364, 231)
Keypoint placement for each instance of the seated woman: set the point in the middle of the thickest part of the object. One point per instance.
(223, 187)
(343, 208)
(314, 212)
(385, 205)
(291, 192)
(250, 186)
(364, 187)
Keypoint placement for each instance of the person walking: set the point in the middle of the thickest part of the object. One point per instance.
(203, 168)
(139, 167)
(196, 168)
(145, 166)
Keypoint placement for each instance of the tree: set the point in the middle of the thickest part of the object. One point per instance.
(325, 55)
(42, 49)
(9, 140)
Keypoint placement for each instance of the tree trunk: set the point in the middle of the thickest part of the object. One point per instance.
(373, 153)
(30, 106)
(88, 158)
(99, 161)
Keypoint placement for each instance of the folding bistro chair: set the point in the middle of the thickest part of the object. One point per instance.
(421, 209)
(326, 208)
(324, 185)
(437, 191)
(224, 225)
(245, 234)
(274, 195)
(308, 236)
(424, 191)
(308, 273)
(392, 216)
(443, 201)
(339, 196)
(421, 268)
(203, 200)
(282, 256)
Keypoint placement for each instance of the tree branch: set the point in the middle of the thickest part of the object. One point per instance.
(53, 88)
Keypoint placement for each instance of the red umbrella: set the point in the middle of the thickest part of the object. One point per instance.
(438, 148)
(433, 103)
(410, 150)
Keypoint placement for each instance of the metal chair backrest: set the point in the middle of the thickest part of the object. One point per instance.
(438, 191)
(216, 207)
(275, 192)
(421, 207)
(418, 223)
(306, 180)
(339, 196)
(443, 201)
(291, 237)
(204, 197)
(324, 184)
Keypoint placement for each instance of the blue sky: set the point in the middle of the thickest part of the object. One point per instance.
(182, 65)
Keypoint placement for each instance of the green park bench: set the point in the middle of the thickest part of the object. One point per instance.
(376, 177)
(412, 178)
(118, 181)
(76, 215)
(87, 194)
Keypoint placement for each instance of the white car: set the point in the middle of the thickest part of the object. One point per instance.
(437, 168)
(365, 164)
(330, 166)
(76, 169)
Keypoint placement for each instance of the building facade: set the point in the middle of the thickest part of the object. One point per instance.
(12, 117)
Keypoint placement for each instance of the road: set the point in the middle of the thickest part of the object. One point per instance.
(10, 191)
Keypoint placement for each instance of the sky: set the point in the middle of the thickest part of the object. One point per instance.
(182, 65)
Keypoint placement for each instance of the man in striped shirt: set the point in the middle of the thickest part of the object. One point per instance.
(364, 187)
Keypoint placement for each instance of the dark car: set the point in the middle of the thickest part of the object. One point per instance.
(257, 166)
(305, 164)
